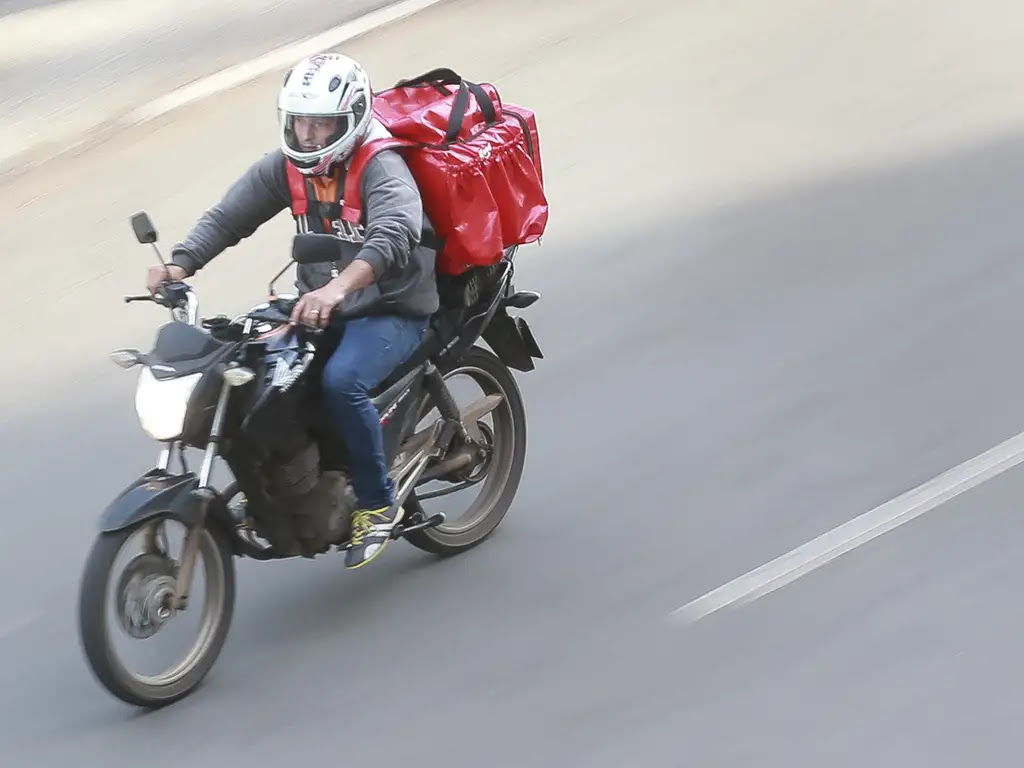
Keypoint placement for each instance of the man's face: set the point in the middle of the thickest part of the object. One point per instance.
(314, 133)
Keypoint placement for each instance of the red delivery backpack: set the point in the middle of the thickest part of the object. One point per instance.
(476, 161)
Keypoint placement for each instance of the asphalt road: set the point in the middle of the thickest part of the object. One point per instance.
(16, 6)
(68, 67)
(781, 287)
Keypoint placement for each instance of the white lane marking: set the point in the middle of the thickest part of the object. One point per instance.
(17, 158)
(17, 625)
(832, 544)
(279, 58)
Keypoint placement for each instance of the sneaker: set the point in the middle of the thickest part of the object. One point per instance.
(371, 531)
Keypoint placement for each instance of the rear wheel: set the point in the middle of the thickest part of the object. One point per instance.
(498, 475)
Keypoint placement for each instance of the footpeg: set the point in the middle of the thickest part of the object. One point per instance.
(431, 522)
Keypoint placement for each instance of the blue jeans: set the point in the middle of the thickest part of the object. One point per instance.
(370, 350)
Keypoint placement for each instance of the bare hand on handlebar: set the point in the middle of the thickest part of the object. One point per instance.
(158, 275)
(314, 308)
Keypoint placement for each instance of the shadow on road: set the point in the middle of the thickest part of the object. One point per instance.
(731, 385)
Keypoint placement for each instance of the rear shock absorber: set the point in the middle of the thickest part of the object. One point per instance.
(446, 405)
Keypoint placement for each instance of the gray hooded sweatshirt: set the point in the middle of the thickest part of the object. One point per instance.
(388, 239)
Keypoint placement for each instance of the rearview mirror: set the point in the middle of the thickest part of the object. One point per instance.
(312, 248)
(145, 232)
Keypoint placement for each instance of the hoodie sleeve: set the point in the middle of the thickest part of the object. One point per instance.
(255, 198)
(394, 214)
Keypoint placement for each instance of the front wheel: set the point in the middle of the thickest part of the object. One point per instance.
(504, 466)
(141, 606)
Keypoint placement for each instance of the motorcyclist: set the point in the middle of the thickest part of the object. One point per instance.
(381, 292)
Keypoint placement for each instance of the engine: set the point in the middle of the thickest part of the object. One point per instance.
(296, 502)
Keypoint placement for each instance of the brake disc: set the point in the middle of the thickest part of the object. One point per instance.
(144, 594)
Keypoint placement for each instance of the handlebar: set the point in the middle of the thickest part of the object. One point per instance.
(179, 296)
(174, 296)
(279, 310)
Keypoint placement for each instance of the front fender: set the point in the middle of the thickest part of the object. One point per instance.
(155, 494)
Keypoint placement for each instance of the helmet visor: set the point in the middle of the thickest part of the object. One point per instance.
(312, 133)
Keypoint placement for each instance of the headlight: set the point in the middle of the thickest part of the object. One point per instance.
(162, 403)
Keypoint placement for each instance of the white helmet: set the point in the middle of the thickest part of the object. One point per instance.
(334, 91)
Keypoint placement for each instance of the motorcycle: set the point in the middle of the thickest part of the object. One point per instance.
(247, 391)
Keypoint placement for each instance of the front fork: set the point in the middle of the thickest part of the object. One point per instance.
(206, 494)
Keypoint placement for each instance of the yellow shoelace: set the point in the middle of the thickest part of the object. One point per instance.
(362, 523)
